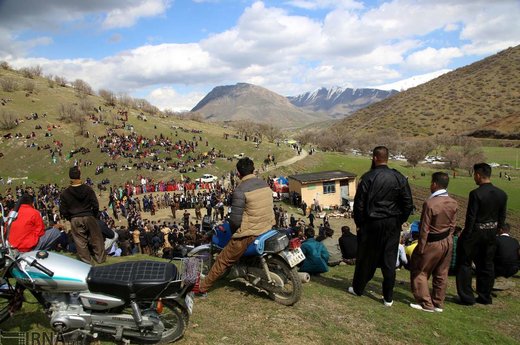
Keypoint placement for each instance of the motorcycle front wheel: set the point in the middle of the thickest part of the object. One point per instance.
(175, 320)
(287, 288)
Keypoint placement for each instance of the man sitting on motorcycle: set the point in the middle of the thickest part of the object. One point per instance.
(251, 215)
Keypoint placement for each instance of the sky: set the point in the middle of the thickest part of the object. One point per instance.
(173, 52)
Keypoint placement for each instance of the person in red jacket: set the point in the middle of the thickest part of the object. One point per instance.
(28, 230)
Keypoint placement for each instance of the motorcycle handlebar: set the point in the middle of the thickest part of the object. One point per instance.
(42, 268)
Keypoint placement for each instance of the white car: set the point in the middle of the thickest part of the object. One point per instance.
(240, 155)
(207, 178)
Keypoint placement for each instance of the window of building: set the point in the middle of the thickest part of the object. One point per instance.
(329, 187)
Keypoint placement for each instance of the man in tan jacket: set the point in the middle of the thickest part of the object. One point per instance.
(251, 215)
(432, 256)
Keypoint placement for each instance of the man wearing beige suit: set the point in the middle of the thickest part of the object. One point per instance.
(432, 256)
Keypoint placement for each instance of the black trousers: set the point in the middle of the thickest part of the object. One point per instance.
(378, 240)
(476, 246)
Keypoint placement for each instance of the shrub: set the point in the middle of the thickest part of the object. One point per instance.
(7, 120)
(31, 72)
(9, 84)
(29, 86)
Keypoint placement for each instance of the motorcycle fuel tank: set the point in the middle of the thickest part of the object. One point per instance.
(70, 275)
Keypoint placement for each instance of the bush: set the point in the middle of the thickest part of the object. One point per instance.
(9, 84)
(60, 81)
(82, 88)
(5, 65)
(29, 86)
(7, 120)
(31, 72)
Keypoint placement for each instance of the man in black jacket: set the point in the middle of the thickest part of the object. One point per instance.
(79, 205)
(485, 214)
(382, 204)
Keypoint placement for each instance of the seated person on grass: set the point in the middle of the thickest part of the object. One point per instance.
(316, 255)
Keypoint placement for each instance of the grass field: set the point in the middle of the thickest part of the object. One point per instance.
(235, 314)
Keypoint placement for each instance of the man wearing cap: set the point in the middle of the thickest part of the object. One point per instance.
(432, 256)
(79, 205)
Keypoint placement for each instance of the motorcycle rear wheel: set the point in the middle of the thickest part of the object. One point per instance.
(175, 320)
(288, 287)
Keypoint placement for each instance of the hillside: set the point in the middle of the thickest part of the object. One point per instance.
(254, 103)
(483, 95)
(27, 150)
(339, 102)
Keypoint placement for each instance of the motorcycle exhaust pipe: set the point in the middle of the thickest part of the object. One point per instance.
(305, 277)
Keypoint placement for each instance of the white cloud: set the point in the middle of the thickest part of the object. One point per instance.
(350, 45)
(128, 16)
(432, 59)
(319, 4)
(169, 98)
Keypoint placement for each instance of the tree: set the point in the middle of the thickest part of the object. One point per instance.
(416, 151)
(7, 120)
(60, 81)
(269, 131)
(8, 84)
(31, 72)
(108, 96)
(82, 88)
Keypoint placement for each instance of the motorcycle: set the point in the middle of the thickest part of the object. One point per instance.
(269, 263)
(137, 301)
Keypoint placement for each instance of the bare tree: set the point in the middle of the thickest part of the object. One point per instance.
(108, 96)
(124, 100)
(29, 86)
(7, 120)
(31, 72)
(269, 131)
(5, 65)
(9, 84)
(416, 151)
(60, 81)
(82, 88)
(86, 106)
(67, 112)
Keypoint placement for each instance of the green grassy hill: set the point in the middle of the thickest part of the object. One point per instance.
(20, 161)
(482, 96)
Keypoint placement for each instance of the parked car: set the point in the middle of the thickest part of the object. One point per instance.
(240, 155)
(207, 178)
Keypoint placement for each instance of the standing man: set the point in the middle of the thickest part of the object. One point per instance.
(486, 214)
(79, 205)
(251, 215)
(382, 204)
(432, 256)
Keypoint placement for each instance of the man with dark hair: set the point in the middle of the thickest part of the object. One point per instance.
(348, 245)
(251, 215)
(28, 231)
(79, 205)
(432, 256)
(507, 257)
(485, 214)
(382, 204)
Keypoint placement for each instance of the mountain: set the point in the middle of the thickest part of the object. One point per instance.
(338, 102)
(254, 103)
(483, 95)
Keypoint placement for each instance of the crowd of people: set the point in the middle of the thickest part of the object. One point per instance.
(432, 247)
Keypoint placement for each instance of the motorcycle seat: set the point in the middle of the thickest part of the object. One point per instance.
(257, 247)
(134, 279)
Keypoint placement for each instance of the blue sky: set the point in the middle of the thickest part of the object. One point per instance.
(172, 52)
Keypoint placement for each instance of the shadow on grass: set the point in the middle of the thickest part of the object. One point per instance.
(373, 290)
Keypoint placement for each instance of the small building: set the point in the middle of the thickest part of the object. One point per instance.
(330, 188)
